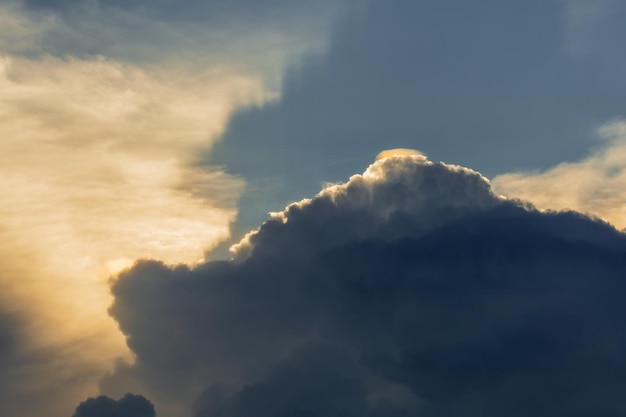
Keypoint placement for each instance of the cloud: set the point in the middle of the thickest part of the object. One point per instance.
(594, 185)
(9, 338)
(412, 289)
(398, 151)
(128, 406)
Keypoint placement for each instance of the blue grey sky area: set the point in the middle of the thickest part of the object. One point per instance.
(496, 86)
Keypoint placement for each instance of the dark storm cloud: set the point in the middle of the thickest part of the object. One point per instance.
(12, 361)
(458, 80)
(8, 337)
(128, 406)
(410, 290)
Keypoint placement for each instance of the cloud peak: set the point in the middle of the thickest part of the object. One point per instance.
(396, 196)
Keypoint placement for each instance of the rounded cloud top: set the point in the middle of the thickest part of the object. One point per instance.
(400, 194)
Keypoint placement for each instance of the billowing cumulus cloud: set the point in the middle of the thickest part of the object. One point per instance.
(412, 289)
(128, 406)
(594, 185)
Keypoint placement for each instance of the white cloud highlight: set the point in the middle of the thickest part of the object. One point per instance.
(379, 201)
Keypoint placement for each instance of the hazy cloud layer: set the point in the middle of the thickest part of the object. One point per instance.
(410, 290)
(256, 38)
(593, 28)
(594, 185)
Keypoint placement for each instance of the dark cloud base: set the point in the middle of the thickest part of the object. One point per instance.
(128, 406)
(483, 307)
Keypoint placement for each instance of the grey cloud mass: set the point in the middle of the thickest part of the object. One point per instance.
(6, 336)
(410, 290)
(9, 344)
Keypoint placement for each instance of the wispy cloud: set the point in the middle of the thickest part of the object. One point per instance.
(586, 24)
(594, 185)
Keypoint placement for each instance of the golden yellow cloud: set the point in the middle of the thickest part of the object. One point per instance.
(397, 152)
(595, 185)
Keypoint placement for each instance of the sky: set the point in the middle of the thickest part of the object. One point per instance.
(195, 222)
